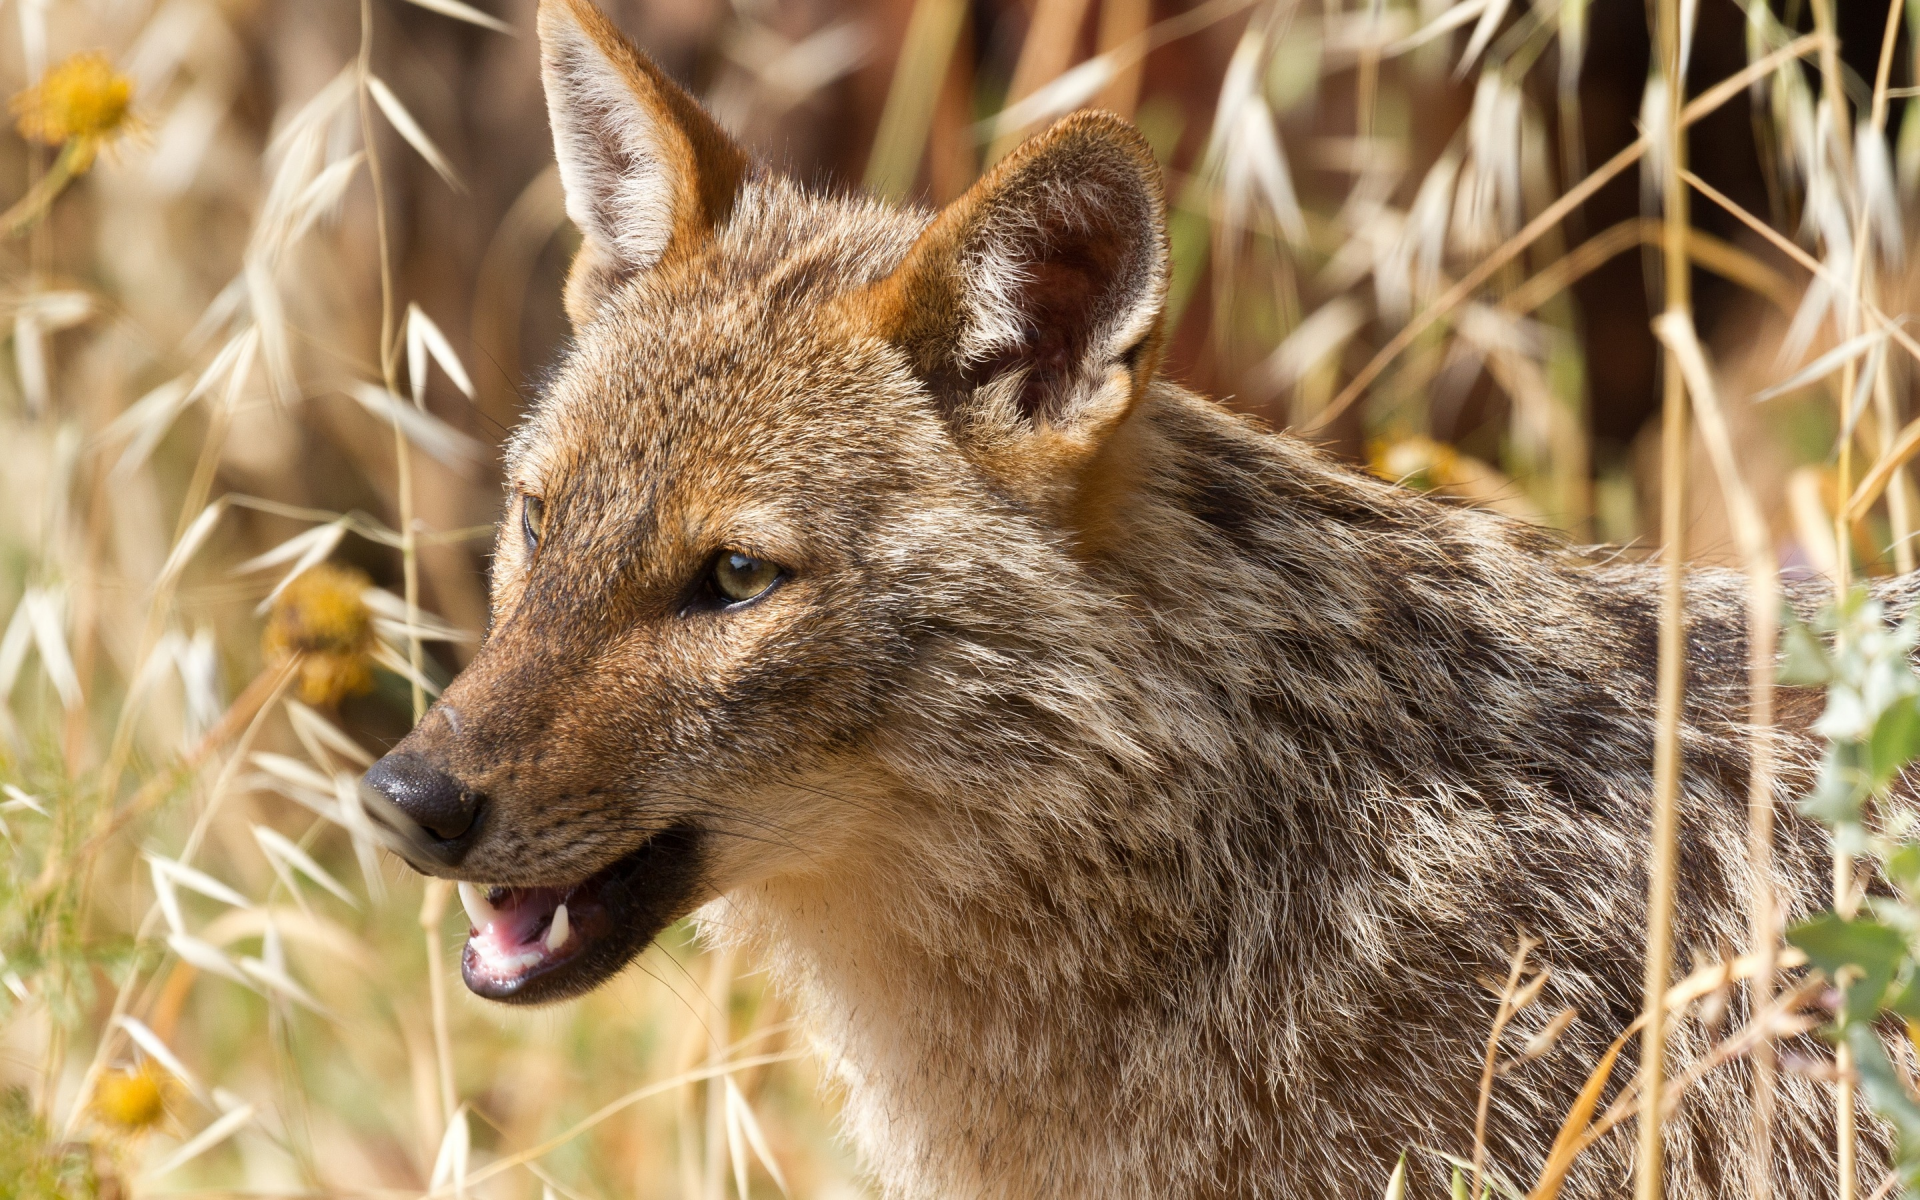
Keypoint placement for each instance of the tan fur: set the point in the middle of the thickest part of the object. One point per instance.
(1129, 798)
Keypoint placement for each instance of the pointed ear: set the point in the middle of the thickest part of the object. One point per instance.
(647, 173)
(1031, 306)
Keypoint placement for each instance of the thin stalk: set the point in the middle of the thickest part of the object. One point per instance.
(1367, 78)
(24, 216)
(1755, 541)
(719, 987)
(1845, 1103)
(1830, 68)
(1122, 22)
(1763, 627)
(433, 907)
(257, 701)
(1897, 512)
(199, 488)
(389, 343)
(1707, 102)
(1502, 1015)
(1866, 494)
(1649, 1183)
(1046, 53)
(433, 914)
(925, 54)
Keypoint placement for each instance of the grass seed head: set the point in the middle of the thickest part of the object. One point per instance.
(322, 619)
(82, 99)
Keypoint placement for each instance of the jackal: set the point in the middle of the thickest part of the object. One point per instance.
(1131, 799)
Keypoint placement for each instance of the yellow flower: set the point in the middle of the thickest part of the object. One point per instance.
(1426, 465)
(1417, 461)
(321, 618)
(132, 1098)
(82, 100)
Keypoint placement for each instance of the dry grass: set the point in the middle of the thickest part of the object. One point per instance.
(236, 381)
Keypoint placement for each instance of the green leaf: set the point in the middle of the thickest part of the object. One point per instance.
(1803, 660)
(1886, 1093)
(1903, 999)
(1837, 796)
(1833, 944)
(1903, 868)
(1895, 741)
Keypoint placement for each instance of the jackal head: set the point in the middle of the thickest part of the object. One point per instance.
(790, 515)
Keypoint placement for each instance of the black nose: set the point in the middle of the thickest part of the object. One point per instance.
(433, 799)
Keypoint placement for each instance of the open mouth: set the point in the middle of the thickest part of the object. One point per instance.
(528, 945)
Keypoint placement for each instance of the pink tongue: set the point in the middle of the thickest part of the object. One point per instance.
(501, 952)
(510, 939)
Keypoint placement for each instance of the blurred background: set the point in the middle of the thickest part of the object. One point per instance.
(282, 274)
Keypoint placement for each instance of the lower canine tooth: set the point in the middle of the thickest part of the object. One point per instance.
(557, 932)
(478, 910)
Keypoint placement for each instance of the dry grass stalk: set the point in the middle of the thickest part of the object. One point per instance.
(1580, 1130)
(1122, 23)
(1515, 996)
(932, 32)
(1045, 54)
(1763, 624)
(1704, 250)
(1873, 313)
(1899, 517)
(1569, 202)
(433, 915)
(1649, 1183)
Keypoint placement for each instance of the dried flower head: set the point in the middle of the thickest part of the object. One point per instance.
(132, 1098)
(82, 99)
(1426, 465)
(322, 619)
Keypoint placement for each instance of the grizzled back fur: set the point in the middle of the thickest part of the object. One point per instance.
(1131, 799)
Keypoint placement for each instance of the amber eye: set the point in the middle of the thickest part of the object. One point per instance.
(533, 520)
(740, 577)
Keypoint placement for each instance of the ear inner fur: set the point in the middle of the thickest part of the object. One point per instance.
(648, 174)
(1032, 304)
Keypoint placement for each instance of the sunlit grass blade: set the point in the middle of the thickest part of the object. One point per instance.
(464, 12)
(450, 1164)
(313, 546)
(47, 614)
(390, 618)
(189, 544)
(196, 880)
(1062, 94)
(408, 128)
(1483, 31)
(740, 1116)
(316, 732)
(16, 799)
(276, 845)
(1827, 364)
(393, 660)
(1448, 21)
(151, 1043)
(274, 978)
(206, 957)
(219, 1131)
(430, 433)
(425, 340)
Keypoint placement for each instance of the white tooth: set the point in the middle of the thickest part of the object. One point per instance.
(557, 932)
(474, 900)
